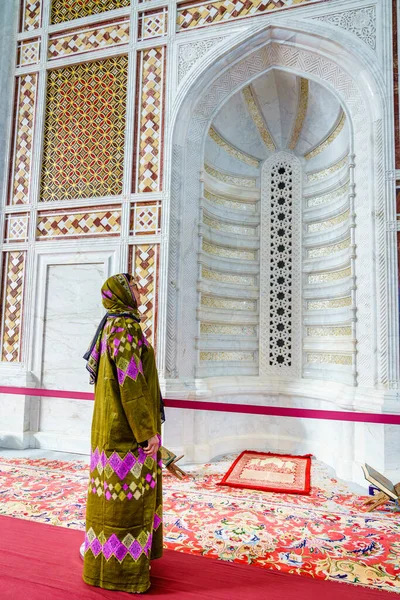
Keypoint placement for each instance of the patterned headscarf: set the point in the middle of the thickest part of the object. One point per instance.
(119, 300)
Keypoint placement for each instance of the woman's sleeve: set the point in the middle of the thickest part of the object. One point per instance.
(136, 401)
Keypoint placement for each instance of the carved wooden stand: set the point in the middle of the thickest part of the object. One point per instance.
(380, 499)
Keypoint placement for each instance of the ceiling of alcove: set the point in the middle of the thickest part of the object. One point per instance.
(278, 111)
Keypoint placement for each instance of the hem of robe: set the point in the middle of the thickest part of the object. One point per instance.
(157, 555)
(120, 587)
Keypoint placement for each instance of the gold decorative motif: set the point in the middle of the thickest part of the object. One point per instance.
(328, 250)
(16, 227)
(329, 276)
(28, 52)
(337, 128)
(318, 175)
(66, 10)
(245, 182)
(225, 252)
(333, 303)
(331, 359)
(207, 329)
(86, 40)
(228, 227)
(24, 125)
(329, 331)
(14, 268)
(232, 150)
(145, 261)
(235, 204)
(227, 304)
(152, 24)
(106, 221)
(229, 356)
(330, 197)
(227, 277)
(151, 69)
(32, 12)
(84, 132)
(258, 118)
(324, 225)
(146, 218)
(191, 16)
(301, 113)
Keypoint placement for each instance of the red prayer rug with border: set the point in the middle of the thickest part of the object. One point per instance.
(269, 472)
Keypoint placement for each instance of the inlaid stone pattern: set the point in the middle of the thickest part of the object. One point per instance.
(68, 10)
(83, 154)
(201, 14)
(28, 53)
(152, 24)
(89, 39)
(16, 229)
(14, 268)
(145, 265)
(24, 126)
(146, 218)
(91, 223)
(31, 11)
(148, 168)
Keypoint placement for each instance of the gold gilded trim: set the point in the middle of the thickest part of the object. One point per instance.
(258, 119)
(337, 128)
(301, 113)
(232, 150)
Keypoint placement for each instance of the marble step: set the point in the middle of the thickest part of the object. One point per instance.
(233, 241)
(233, 265)
(231, 215)
(222, 290)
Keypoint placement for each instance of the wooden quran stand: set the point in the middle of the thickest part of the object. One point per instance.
(169, 460)
(380, 499)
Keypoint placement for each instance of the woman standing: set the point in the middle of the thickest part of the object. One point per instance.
(124, 507)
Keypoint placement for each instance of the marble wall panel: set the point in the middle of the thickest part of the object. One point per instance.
(148, 163)
(73, 311)
(23, 139)
(65, 10)
(11, 308)
(83, 153)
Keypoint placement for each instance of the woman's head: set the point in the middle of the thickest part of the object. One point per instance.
(120, 293)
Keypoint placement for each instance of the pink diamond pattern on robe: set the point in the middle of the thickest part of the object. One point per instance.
(120, 466)
(157, 521)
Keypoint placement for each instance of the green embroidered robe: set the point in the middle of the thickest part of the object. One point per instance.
(124, 507)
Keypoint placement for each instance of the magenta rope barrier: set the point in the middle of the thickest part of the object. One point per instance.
(249, 409)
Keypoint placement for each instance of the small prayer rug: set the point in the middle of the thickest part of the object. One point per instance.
(268, 472)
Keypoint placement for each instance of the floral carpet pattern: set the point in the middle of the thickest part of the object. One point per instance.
(326, 535)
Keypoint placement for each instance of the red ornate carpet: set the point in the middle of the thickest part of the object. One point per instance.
(326, 535)
(45, 565)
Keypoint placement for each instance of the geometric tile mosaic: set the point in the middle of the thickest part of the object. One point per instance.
(16, 229)
(201, 14)
(152, 24)
(68, 10)
(83, 153)
(144, 261)
(89, 222)
(31, 14)
(13, 286)
(148, 167)
(24, 124)
(146, 218)
(88, 39)
(28, 52)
